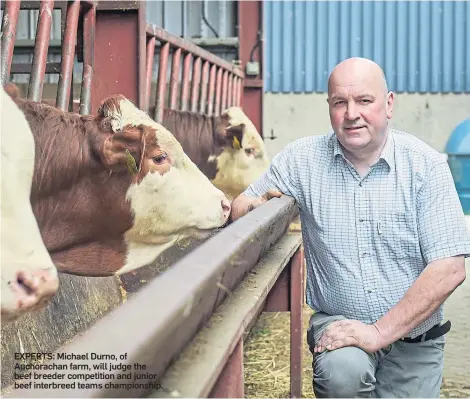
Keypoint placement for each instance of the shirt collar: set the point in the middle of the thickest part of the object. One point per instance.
(388, 152)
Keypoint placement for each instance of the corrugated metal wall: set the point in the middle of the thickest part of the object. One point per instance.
(423, 46)
(182, 18)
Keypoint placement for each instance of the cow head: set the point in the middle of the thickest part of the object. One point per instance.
(28, 276)
(243, 158)
(170, 198)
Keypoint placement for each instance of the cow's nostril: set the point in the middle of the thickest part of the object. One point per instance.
(226, 205)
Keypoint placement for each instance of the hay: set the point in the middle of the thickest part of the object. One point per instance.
(267, 361)
(267, 358)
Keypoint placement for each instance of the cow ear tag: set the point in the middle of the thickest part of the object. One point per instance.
(236, 144)
(131, 165)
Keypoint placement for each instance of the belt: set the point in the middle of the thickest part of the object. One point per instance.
(432, 333)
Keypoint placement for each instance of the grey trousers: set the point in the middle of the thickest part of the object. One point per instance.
(401, 370)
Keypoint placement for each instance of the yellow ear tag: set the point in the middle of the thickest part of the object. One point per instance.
(131, 165)
(236, 144)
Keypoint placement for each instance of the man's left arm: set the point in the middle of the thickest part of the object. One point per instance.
(444, 241)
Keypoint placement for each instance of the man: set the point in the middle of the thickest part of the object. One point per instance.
(385, 240)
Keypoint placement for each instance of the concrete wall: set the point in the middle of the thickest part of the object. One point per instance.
(431, 117)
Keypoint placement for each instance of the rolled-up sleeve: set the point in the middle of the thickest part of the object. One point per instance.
(441, 222)
(280, 175)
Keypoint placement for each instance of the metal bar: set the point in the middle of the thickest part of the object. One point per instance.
(231, 382)
(185, 84)
(229, 90)
(204, 81)
(68, 55)
(196, 81)
(43, 35)
(296, 331)
(179, 308)
(161, 82)
(218, 92)
(9, 27)
(240, 92)
(210, 100)
(224, 91)
(250, 23)
(149, 72)
(175, 71)
(89, 32)
(196, 370)
(192, 48)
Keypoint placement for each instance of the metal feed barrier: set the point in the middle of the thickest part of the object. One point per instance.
(187, 325)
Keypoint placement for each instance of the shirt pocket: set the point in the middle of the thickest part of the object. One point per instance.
(397, 235)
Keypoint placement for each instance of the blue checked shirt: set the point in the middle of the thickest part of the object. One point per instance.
(367, 239)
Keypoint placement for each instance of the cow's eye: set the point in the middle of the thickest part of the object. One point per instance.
(159, 158)
(249, 151)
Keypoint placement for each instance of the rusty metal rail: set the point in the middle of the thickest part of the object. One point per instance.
(156, 324)
(78, 28)
(215, 83)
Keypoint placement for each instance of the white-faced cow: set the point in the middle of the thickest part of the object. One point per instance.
(112, 192)
(28, 275)
(227, 148)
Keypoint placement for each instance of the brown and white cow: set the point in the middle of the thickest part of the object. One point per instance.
(28, 276)
(97, 218)
(227, 148)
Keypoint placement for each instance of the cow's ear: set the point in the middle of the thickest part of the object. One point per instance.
(234, 135)
(109, 113)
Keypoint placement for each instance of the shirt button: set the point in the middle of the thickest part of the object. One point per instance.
(361, 219)
(364, 254)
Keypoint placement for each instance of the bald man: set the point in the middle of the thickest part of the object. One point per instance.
(385, 240)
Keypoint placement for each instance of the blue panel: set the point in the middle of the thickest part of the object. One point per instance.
(401, 46)
(413, 41)
(299, 44)
(423, 46)
(288, 58)
(310, 44)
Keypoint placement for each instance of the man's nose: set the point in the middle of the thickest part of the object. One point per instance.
(352, 112)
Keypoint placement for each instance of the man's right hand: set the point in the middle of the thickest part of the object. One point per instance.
(244, 204)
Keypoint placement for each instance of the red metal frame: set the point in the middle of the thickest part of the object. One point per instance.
(249, 21)
(212, 85)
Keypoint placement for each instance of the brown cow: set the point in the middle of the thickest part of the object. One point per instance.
(28, 276)
(227, 148)
(97, 218)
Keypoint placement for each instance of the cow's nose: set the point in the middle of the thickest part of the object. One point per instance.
(226, 207)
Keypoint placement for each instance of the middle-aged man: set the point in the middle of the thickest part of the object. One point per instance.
(385, 240)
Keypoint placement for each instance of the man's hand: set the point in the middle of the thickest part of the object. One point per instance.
(243, 204)
(343, 333)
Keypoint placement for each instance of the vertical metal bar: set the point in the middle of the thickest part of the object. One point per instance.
(161, 83)
(204, 80)
(89, 29)
(231, 382)
(296, 331)
(224, 91)
(9, 27)
(68, 55)
(229, 90)
(235, 91)
(41, 46)
(195, 84)
(210, 100)
(240, 91)
(149, 71)
(175, 71)
(185, 84)
(218, 92)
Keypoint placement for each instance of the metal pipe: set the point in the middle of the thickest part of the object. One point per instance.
(9, 28)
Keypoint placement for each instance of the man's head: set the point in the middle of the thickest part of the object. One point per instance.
(360, 104)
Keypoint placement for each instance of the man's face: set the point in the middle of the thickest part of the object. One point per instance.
(359, 110)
